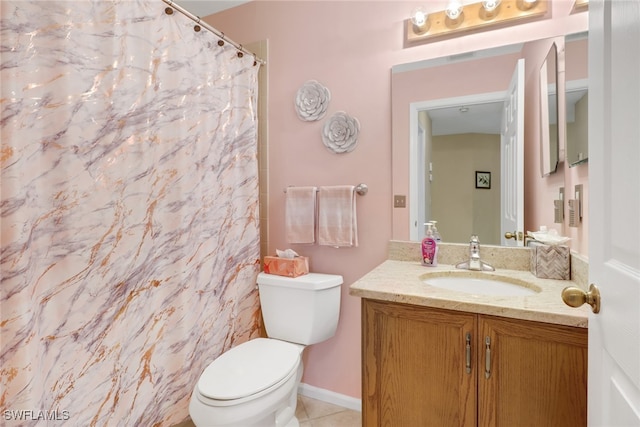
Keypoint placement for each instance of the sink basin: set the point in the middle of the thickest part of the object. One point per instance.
(481, 286)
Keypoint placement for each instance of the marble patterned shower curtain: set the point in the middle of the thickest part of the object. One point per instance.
(129, 209)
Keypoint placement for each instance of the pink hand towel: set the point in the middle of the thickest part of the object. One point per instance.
(337, 221)
(300, 215)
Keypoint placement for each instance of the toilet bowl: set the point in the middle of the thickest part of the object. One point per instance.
(256, 382)
(253, 384)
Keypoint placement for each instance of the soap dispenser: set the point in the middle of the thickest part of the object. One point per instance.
(436, 233)
(429, 247)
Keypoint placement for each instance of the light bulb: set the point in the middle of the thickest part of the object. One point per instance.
(419, 17)
(454, 10)
(490, 5)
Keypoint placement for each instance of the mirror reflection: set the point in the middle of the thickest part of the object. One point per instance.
(451, 99)
(577, 99)
(455, 135)
(549, 138)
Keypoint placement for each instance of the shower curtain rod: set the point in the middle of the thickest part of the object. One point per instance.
(197, 20)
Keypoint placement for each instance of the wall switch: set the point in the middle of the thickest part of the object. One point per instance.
(399, 201)
(558, 212)
(573, 220)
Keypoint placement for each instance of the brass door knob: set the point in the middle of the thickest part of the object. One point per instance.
(575, 297)
(515, 235)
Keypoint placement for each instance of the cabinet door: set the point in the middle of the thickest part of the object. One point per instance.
(414, 370)
(538, 374)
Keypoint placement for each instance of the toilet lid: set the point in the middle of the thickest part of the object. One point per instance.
(248, 369)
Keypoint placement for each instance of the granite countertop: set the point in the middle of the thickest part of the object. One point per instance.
(402, 281)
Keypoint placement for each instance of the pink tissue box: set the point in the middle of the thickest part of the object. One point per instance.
(290, 267)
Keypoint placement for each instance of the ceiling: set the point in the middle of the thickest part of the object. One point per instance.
(202, 8)
(476, 118)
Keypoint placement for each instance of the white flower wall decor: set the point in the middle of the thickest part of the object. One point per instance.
(312, 101)
(340, 133)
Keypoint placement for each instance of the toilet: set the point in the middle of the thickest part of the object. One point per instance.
(256, 383)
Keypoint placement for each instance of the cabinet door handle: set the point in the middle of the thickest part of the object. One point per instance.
(468, 352)
(487, 359)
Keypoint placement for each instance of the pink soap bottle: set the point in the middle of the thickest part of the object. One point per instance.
(429, 247)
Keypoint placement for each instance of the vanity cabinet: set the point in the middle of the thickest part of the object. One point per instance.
(432, 367)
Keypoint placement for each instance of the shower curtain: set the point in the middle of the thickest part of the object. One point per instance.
(129, 209)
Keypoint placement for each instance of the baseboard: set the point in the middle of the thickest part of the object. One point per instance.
(330, 397)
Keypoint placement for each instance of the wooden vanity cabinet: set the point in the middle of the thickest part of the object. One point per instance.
(427, 367)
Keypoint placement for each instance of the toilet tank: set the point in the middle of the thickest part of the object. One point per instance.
(303, 309)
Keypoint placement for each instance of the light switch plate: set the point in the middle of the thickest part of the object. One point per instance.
(399, 201)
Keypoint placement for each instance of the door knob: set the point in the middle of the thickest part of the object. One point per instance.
(515, 235)
(575, 297)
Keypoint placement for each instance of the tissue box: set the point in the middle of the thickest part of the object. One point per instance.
(550, 261)
(290, 267)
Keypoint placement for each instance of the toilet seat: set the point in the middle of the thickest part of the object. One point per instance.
(248, 371)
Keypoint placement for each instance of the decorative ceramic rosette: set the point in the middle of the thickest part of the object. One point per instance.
(340, 133)
(312, 101)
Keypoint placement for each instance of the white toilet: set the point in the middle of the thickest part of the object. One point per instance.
(256, 383)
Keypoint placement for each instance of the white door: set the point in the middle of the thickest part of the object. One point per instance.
(423, 185)
(512, 162)
(417, 197)
(614, 211)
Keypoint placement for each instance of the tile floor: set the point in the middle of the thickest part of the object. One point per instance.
(316, 413)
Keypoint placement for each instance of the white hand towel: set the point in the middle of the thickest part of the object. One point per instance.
(300, 215)
(337, 221)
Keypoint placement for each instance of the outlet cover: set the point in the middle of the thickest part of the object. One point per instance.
(399, 201)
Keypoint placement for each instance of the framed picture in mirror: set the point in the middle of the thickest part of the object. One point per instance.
(483, 179)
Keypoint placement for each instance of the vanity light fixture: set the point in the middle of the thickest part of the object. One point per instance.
(528, 4)
(419, 20)
(490, 5)
(580, 6)
(454, 10)
(458, 18)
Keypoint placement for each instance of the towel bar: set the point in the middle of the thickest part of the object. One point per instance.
(361, 189)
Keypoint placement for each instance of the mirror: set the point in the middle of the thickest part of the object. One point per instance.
(577, 99)
(549, 131)
(457, 118)
(416, 85)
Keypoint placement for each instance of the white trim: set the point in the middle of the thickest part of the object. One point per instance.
(330, 397)
(575, 85)
(460, 57)
(476, 98)
(415, 164)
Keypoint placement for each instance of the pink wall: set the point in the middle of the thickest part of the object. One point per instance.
(350, 47)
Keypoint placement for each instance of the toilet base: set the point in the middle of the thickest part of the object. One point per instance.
(276, 409)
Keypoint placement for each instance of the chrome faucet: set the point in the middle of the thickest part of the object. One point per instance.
(474, 262)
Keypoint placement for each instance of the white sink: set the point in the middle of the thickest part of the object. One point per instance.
(481, 286)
